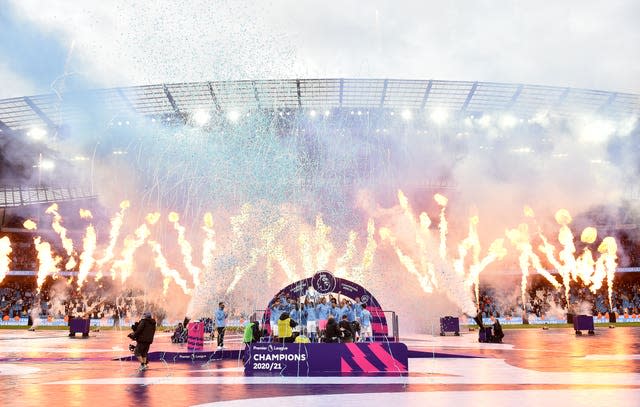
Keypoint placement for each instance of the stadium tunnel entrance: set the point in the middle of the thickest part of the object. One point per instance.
(323, 284)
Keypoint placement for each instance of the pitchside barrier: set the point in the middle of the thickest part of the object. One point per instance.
(551, 321)
(239, 322)
(104, 322)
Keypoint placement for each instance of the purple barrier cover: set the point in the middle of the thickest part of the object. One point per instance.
(323, 359)
(583, 323)
(79, 325)
(449, 324)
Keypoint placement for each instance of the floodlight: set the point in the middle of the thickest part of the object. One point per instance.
(37, 133)
(439, 116)
(201, 117)
(233, 116)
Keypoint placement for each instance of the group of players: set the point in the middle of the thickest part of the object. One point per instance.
(320, 319)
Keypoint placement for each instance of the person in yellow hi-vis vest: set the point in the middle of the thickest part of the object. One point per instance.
(285, 323)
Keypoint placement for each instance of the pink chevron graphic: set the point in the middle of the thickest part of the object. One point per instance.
(344, 366)
(361, 359)
(375, 311)
(390, 363)
(379, 328)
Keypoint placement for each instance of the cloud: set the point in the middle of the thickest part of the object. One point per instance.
(14, 84)
(565, 44)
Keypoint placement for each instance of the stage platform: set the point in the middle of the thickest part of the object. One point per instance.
(532, 367)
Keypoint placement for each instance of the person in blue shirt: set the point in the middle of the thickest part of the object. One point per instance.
(303, 318)
(221, 323)
(347, 310)
(322, 312)
(357, 308)
(365, 324)
(311, 316)
(290, 306)
(283, 299)
(296, 316)
(335, 311)
(276, 311)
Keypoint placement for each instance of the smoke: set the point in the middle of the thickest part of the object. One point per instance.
(58, 296)
(266, 182)
(34, 313)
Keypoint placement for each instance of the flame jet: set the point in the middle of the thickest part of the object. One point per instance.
(5, 252)
(114, 233)
(67, 243)
(451, 274)
(185, 248)
(87, 260)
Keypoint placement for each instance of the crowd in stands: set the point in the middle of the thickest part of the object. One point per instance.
(543, 300)
(19, 299)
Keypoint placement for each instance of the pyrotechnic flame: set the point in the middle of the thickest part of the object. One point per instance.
(370, 249)
(443, 226)
(287, 266)
(270, 247)
(67, 243)
(404, 202)
(167, 272)
(406, 261)
(421, 232)
(441, 199)
(209, 243)
(185, 249)
(5, 259)
(114, 233)
(86, 257)
(30, 225)
(520, 239)
(208, 220)
(350, 250)
(239, 271)
(549, 250)
(563, 217)
(425, 222)
(131, 244)
(304, 244)
(153, 217)
(47, 264)
(608, 249)
(589, 235)
(325, 247)
(85, 214)
(528, 212)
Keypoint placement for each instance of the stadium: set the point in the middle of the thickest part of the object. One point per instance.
(292, 202)
(296, 176)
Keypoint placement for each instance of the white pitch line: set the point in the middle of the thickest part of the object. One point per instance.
(436, 371)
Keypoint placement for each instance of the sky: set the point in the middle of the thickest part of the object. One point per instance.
(60, 45)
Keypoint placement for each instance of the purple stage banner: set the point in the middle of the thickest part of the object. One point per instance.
(326, 359)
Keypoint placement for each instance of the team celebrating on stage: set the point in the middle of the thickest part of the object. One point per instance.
(318, 318)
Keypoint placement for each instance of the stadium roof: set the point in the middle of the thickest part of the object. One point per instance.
(13, 196)
(53, 110)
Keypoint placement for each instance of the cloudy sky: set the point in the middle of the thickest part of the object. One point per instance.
(62, 44)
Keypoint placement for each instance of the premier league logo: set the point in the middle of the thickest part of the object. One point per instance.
(323, 282)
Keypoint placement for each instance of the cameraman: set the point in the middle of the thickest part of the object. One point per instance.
(143, 335)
